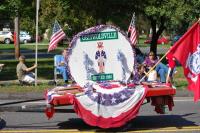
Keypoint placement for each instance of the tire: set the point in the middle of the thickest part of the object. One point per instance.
(25, 41)
(7, 41)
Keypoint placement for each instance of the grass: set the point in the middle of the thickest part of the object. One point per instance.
(179, 79)
(45, 65)
(143, 38)
(24, 89)
(42, 47)
(45, 68)
(179, 82)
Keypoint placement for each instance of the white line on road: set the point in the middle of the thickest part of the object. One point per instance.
(183, 99)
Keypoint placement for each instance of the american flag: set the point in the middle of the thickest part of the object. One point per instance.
(132, 31)
(57, 35)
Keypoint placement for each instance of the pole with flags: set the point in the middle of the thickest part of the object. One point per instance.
(187, 51)
(132, 31)
(36, 37)
(57, 35)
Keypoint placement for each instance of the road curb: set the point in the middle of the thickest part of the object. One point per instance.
(24, 96)
(40, 95)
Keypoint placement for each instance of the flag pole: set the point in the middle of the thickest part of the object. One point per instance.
(36, 38)
(132, 18)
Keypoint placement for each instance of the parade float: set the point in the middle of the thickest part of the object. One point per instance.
(101, 61)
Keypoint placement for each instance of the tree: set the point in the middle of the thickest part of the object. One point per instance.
(16, 9)
(28, 16)
(3, 11)
(69, 14)
(77, 15)
(80, 14)
(163, 13)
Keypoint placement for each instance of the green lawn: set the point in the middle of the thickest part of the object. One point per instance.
(179, 79)
(45, 68)
(24, 89)
(142, 44)
(45, 65)
(42, 47)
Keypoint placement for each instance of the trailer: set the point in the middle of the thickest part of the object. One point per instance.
(101, 61)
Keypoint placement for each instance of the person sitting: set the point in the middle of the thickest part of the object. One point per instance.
(139, 75)
(1, 66)
(142, 77)
(161, 69)
(139, 56)
(24, 73)
(61, 65)
(152, 76)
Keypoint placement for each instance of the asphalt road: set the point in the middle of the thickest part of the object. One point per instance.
(185, 117)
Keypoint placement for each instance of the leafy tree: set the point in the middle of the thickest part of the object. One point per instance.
(17, 9)
(115, 11)
(5, 17)
(77, 15)
(162, 13)
(70, 17)
(28, 16)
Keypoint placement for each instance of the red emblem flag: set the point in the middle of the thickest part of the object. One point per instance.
(171, 60)
(187, 51)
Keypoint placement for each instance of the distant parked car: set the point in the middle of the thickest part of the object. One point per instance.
(6, 37)
(161, 40)
(24, 37)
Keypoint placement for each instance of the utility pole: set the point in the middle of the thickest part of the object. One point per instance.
(36, 37)
(16, 36)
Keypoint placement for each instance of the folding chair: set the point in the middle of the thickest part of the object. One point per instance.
(56, 71)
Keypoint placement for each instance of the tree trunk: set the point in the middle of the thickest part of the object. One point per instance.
(16, 41)
(154, 38)
(156, 34)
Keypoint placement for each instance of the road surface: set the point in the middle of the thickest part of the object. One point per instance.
(185, 117)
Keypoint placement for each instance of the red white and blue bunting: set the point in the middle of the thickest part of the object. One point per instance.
(108, 107)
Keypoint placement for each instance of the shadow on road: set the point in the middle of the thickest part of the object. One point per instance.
(2, 123)
(139, 123)
(76, 123)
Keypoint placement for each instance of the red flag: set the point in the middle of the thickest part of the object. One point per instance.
(57, 35)
(187, 51)
(132, 31)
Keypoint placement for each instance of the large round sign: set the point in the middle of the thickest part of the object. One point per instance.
(100, 53)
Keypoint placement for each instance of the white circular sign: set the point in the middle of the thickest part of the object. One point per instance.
(100, 53)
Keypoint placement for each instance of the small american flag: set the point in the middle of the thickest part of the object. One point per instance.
(132, 31)
(57, 35)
